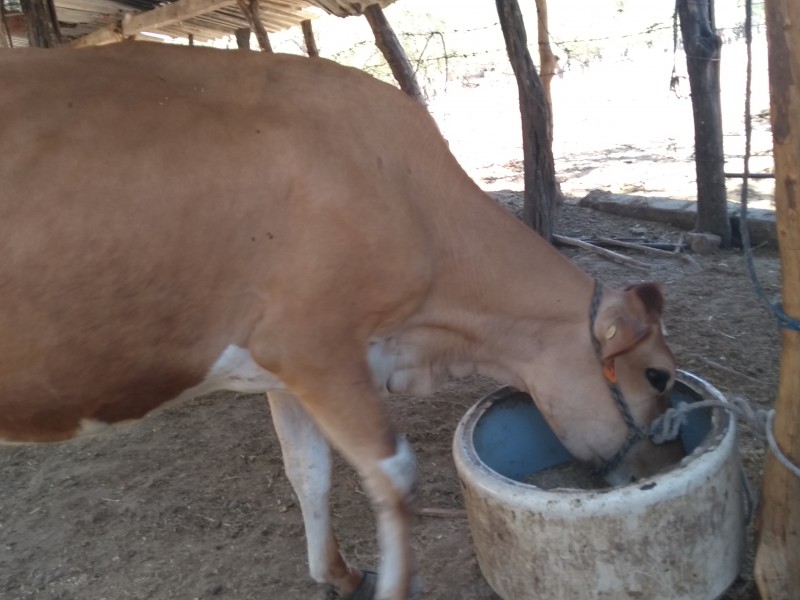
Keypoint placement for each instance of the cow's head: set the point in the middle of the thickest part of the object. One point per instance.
(611, 390)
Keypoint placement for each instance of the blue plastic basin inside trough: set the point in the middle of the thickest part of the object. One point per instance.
(513, 439)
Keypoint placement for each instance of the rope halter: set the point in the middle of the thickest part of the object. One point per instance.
(635, 433)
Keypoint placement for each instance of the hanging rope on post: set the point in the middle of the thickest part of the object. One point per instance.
(784, 320)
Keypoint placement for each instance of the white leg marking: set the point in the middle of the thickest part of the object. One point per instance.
(235, 370)
(402, 467)
(91, 427)
(307, 460)
(394, 528)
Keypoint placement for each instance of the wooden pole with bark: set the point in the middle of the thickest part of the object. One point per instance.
(308, 36)
(702, 46)
(389, 45)
(5, 31)
(777, 566)
(41, 23)
(547, 60)
(242, 38)
(249, 9)
(541, 189)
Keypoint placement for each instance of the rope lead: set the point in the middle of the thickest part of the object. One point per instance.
(761, 422)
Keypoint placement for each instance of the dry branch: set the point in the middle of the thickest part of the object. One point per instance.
(609, 254)
(648, 249)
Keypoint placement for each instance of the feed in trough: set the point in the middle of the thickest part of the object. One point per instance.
(568, 475)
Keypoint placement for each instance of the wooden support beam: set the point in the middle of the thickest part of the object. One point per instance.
(155, 19)
(392, 50)
(5, 30)
(751, 175)
(107, 35)
(777, 566)
(547, 60)
(41, 22)
(703, 46)
(308, 36)
(243, 38)
(250, 11)
(541, 188)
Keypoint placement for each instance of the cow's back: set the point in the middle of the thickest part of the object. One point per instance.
(155, 200)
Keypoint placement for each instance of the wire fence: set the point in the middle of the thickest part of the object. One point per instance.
(447, 54)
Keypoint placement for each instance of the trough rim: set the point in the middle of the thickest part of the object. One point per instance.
(691, 472)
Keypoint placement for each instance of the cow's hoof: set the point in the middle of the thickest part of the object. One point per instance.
(365, 589)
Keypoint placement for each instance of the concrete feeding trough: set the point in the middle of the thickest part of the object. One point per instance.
(677, 535)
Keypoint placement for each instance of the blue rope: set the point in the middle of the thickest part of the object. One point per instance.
(784, 320)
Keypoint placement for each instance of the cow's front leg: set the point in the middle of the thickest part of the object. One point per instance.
(307, 459)
(351, 416)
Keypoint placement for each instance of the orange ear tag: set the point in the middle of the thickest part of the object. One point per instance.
(609, 371)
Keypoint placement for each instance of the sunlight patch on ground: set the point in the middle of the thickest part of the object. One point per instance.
(618, 127)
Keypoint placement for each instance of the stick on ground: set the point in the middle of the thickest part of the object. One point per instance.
(609, 254)
(648, 249)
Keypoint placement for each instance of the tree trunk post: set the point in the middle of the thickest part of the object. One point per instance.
(249, 9)
(777, 566)
(541, 188)
(547, 60)
(5, 32)
(243, 38)
(41, 23)
(308, 36)
(389, 45)
(702, 46)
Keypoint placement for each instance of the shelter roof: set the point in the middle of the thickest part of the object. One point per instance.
(108, 20)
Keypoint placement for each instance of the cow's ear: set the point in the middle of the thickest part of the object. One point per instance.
(651, 296)
(623, 326)
(620, 336)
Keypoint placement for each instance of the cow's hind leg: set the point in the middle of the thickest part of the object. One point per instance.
(306, 456)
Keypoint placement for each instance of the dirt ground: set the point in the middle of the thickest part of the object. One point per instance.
(192, 503)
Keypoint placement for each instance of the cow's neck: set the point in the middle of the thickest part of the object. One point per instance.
(505, 298)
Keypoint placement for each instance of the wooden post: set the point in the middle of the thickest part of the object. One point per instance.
(243, 38)
(250, 10)
(42, 24)
(547, 60)
(5, 31)
(702, 46)
(308, 36)
(777, 566)
(541, 189)
(390, 46)
(191, 39)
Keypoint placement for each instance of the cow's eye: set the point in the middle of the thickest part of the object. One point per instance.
(658, 378)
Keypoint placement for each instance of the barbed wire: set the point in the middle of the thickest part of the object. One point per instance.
(375, 60)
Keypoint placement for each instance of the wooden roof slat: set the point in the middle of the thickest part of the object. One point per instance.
(234, 19)
(347, 8)
(155, 19)
(181, 17)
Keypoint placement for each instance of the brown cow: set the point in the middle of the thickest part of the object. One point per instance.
(175, 221)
